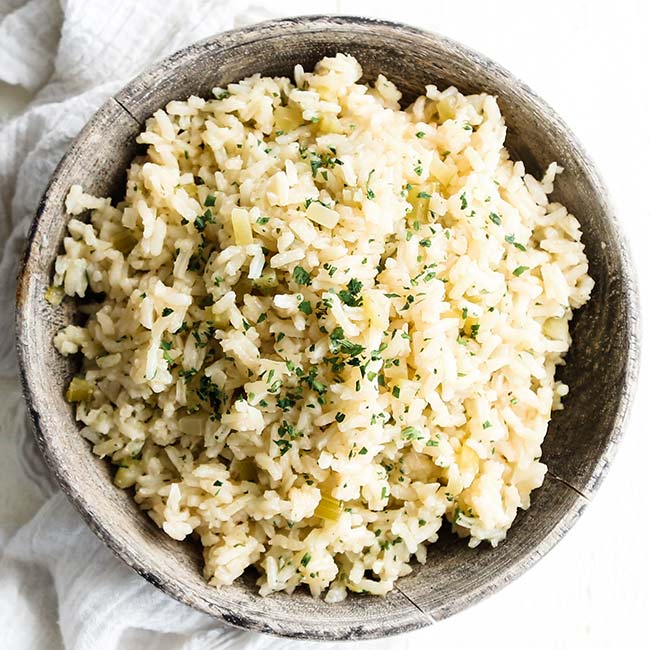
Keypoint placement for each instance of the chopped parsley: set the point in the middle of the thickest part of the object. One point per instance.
(350, 296)
(284, 445)
(305, 307)
(167, 311)
(369, 193)
(520, 269)
(331, 270)
(300, 276)
(511, 240)
(495, 218)
(201, 221)
(410, 433)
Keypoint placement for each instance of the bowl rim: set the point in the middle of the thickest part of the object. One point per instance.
(223, 41)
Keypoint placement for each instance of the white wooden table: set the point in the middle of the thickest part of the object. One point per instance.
(590, 61)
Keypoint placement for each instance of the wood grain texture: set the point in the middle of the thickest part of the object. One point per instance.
(601, 367)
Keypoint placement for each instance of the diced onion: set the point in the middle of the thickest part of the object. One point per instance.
(322, 215)
(241, 227)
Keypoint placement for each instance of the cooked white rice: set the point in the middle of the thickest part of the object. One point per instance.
(325, 325)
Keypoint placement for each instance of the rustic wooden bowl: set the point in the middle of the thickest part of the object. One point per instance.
(601, 367)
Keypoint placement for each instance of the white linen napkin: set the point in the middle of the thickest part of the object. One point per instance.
(59, 586)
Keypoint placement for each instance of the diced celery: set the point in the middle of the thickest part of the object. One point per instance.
(441, 171)
(127, 474)
(330, 124)
(555, 328)
(468, 460)
(79, 390)
(54, 295)
(328, 508)
(419, 203)
(446, 108)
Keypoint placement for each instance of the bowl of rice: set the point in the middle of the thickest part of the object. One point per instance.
(327, 327)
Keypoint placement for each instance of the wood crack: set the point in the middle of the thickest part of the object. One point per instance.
(126, 110)
(572, 487)
(427, 616)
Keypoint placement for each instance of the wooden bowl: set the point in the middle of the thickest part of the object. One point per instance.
(601, 367)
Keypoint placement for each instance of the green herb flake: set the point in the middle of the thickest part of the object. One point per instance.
(410, 433)
(284, 445)
(520, 269)
(167, 311)
(511, 240)
(369, 193)
(419, 134)
(331, 270)
(300, 276)
(495, 218)
(350, 296)
(305, 307)
(209, 200)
